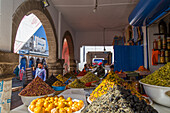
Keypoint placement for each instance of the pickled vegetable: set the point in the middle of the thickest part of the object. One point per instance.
(62, 78)
(160, 77)
(77, 84)
(58, 83)
(89, 77)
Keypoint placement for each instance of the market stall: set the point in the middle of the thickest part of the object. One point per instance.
(111, 94)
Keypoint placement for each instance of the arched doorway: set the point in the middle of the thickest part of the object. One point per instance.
(43, 15)
(31, 62)
(68, 52)
(23, 63)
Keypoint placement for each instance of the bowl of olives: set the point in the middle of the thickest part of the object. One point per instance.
(158, 94)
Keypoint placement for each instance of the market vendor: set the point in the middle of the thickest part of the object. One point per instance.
(111, 70)
(100, 70)
(41, 72)
(85, 69)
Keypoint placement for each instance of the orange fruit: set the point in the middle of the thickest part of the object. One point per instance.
(55, 110)
(61, 104)
(46, 104)
(69, 99)
(32, 107)
(39, 104)
(70, 103)
(51, 106)
(39, 110)
(62, 110)
(69, 110)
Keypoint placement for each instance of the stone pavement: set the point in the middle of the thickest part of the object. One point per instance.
(15, 99)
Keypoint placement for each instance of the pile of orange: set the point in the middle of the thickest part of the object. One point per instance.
(55, 105)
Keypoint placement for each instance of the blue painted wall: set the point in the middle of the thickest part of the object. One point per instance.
(128, 58)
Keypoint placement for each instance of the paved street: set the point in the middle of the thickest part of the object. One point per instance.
(15, 99)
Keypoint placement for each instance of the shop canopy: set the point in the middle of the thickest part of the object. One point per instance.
(147, 11)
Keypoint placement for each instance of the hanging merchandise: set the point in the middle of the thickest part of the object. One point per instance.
(155, 44)
(159, 42)
(162, 57)
(135, 34)
(164, 42)
(162, 27)
(155, 57)
(168, 42)
(167, 56)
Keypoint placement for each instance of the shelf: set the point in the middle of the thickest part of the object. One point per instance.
(161, 34)
(162, 49)
(161, 63)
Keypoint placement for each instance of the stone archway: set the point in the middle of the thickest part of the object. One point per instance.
(43, 15)
(68, 37)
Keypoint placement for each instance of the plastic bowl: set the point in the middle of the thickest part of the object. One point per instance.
(59, 88)
(157, 93)
(26, 100)
(73, 112)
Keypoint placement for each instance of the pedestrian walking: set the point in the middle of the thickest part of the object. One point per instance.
(21, 73)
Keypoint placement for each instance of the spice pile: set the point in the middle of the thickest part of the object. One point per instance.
(55, 105)
(36, 88)
(77, 84)
(61, 78)
(160, 77)
(111, 80)
(119, 100)
(89, 77)
(58, 83)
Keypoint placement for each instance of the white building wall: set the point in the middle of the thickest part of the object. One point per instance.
(93, 39)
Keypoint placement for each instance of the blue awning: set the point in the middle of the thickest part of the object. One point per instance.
(147, 11)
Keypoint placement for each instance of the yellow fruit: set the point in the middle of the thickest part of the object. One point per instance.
(39, 110)
(32, 107)
(55, 110)
(47, 110)
(39, 104)
(70, 103)
(69, 99)
(61, 104)
(51, 106)
(69, 110)
(46, 104)
(62, 110)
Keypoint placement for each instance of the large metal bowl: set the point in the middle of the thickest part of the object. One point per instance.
(157, 93)
(26, 100)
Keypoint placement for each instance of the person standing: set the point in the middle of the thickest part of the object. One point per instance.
(46, 68)
(85, 69)
(100, 70)
(33, 71)
(16, 72)
(41, 72)
(21, 73)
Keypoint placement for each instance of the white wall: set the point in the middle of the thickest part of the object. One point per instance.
(65, 27)
(93, 39)
(6, 24)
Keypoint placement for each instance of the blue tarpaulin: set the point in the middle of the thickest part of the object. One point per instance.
(147, 11)
(128, 58)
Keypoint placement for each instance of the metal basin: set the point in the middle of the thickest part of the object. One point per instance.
(158, 94)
